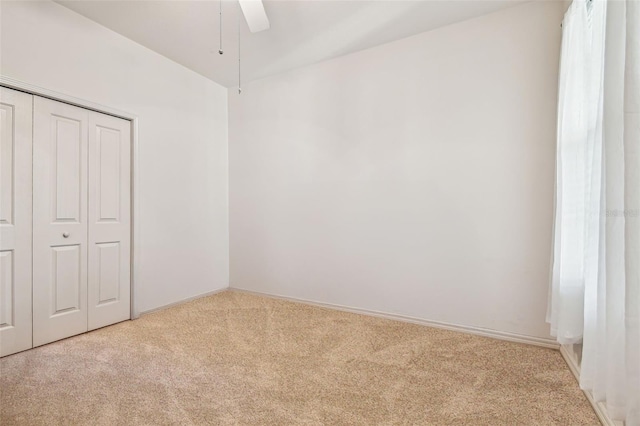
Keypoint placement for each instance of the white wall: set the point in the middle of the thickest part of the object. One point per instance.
(414, 178)
(183, 167)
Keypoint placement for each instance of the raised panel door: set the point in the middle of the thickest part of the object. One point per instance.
(109, 220)
(15, 220)
(60, 200)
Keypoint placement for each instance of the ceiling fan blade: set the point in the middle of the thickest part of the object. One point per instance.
(255, 15)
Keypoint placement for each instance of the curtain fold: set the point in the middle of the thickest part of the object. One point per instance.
(595, 287)
(632, 205)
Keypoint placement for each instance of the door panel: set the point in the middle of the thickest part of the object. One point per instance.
(109, 173)
(60, 199)
(67, 169)
(15, 220)
(7, 159)
(108, 257)
(6, 289)
(109, 220)
(66, 279)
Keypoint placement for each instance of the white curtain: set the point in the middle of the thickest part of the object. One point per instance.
(595, 290)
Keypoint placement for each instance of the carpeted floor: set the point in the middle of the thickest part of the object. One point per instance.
(235, 358)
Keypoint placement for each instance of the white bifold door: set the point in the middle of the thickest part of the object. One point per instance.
(15, 221)
(81, 206)
(65, 220)
(109, 257)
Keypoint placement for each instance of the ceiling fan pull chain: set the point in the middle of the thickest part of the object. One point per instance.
(220, 51)
(239, 55)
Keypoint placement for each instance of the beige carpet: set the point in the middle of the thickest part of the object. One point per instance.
(235, 358)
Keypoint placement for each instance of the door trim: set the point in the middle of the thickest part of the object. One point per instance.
(32, 89)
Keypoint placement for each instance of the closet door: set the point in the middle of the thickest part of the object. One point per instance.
(60, 200)
(15, 221)
(109, 220)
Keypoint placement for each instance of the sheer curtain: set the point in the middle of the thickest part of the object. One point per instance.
(595, 289)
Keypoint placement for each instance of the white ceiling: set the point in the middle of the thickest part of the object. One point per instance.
(302, 31)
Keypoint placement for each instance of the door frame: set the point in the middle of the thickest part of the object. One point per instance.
(12, 83)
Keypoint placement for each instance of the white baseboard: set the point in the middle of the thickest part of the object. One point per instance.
(511, 337)
(180, 302)
(598, 407)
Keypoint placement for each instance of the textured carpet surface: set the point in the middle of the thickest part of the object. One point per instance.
(235, 358)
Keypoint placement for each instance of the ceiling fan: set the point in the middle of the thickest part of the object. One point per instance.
(255, 15)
